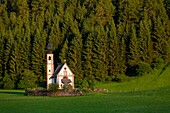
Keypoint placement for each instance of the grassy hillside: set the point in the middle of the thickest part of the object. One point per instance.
(159, 78)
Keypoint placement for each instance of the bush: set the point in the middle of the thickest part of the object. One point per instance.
(131, 70)
(85, 84)
(36, 92)
(53, 87)
(67, 87)
(143, 68)
(121, 78)
(8, 82)
(28, 79)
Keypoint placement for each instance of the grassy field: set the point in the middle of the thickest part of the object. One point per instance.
(147, 94)
(152, 101)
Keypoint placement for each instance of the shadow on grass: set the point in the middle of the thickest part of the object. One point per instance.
(12, 92)
(166, 66)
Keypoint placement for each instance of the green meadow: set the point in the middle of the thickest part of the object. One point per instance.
(155, 101)
(147, 94)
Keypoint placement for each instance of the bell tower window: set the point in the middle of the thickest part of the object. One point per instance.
(49, 58)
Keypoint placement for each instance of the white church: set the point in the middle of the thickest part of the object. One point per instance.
(61, 74)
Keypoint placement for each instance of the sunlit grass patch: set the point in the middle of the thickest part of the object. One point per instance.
(160, 78)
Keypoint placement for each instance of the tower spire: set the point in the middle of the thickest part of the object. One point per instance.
(50, 64)
(50, 48)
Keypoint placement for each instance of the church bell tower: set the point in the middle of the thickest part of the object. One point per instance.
(50, 64)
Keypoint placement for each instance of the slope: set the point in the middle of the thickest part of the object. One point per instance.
(158, 79)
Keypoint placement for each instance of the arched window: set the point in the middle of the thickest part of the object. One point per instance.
(49, 58)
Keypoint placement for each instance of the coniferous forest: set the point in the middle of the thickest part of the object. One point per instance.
(102, 40)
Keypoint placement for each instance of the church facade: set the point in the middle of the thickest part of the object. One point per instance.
(62, 74)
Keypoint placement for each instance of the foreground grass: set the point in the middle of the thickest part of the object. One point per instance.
(151, 101)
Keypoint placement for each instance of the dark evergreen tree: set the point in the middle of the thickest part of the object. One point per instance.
(38, 55)
(112, 54)
(64, 51)
(133, 55)
(87, 55)
(100, 64)
(146, 50)
(167, 6)
(75, 57)
(122, 33)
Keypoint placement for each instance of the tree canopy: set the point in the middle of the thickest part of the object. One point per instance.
(100, 39)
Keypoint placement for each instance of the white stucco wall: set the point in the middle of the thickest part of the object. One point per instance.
(69, 74)
(50, 69)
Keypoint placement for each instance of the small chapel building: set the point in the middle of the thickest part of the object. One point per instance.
(62, 74)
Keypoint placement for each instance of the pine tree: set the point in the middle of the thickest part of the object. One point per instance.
(87, 55)
(133, 56)
(25, 48)
(74, 57)
(80, 12)
(104, 11)
(100, 64)
(167, 7)
(38, 7)
(2, 45)
(64, 52)
(128, 11)
(161, 31)
(36, 58)
(12, 62)
(8, 47)
(122, 33)
(112, 53)
(146, 52)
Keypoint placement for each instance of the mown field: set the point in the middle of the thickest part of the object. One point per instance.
(155, 101)
(147, 94)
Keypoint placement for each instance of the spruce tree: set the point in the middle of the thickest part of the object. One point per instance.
(112, 53)
(122, 32)
(161, 30)
(74, 58)
(2, 45)
(36, 57)
(87, 55)
(146, 50)
(64, 52)
(133, 56)
(100, 64)
(167, 7)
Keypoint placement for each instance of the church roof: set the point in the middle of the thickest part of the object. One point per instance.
(60, 68)
(57, 71)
